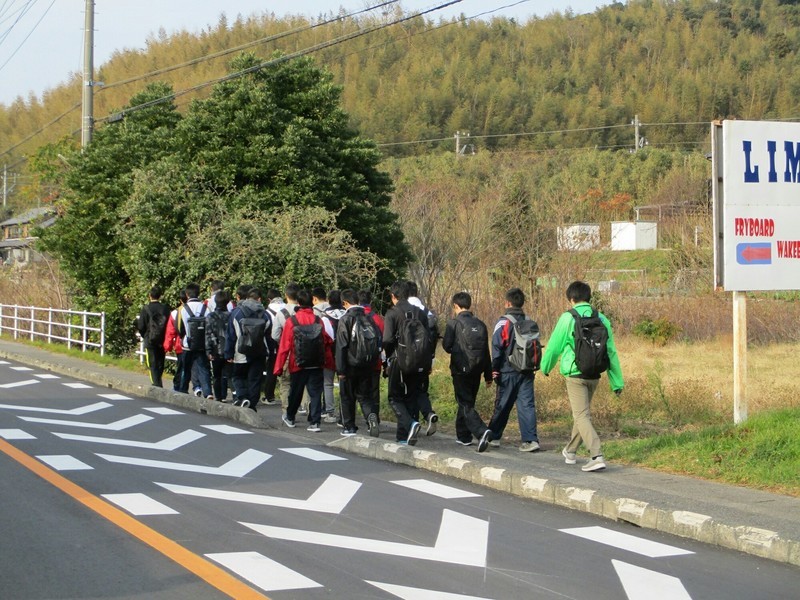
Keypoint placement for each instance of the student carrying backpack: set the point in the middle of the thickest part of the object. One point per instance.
(217, 324)
(152, 326)
(309, 349)
(524, 350)
(193, 328)
(196, 328)
(252, 331)
(414, 352)
(591, 344)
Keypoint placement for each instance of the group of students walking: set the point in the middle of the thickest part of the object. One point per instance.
(302, 340)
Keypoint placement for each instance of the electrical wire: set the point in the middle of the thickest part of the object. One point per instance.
(22, 43)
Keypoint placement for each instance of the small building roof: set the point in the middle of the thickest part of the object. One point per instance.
(28, 216)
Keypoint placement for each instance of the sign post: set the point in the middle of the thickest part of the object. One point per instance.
(756, 185)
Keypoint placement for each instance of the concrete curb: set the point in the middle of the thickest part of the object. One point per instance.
(186, 401)
(751, 540)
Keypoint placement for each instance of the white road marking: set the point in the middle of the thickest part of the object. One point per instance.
(227, 430)
(163, 410)
(15, 434)
(435, 489)
(623, 541)
(168, 444)
(331, 497)
(4, 362)
(16, 384)
(46, 376)
(65, 462)
(77, 386)
(236, 467)
(409, 593)
(264, 572)
(76, 412)
(115, 426)
(114, 397)
(312, 454)
(462, 540)
(643, 584)
(21, 369)
(140, 504)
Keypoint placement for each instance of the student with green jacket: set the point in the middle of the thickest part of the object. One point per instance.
(581, 386)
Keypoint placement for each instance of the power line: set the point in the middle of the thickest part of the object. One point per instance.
(22, 43)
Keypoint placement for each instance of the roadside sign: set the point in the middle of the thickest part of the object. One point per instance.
(756, 168)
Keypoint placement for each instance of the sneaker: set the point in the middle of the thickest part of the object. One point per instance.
(198, 392)
(495, 443)
(469, 443)
(210, 397)
(433, 419)
(595, 464)
(348, 432)
(372, 424)
(413, 432)
(330, 419)
(486, 438)
(269, 401)
(302, 411)
(287, 421)
(569, 457)
(314, 427)
(529, 447)
(402, 443)
(243, 403)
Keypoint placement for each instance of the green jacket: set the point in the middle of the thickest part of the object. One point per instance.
(562, 343)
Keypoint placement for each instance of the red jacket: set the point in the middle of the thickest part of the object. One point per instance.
(305, 316)
(172, 338)
(380, 323)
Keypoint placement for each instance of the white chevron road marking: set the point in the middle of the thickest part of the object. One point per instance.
(409, 593)
(16, 384)
(624, 541)
(75, 412)
(115, 426)
(168, 444)
(236, 467)
(264, 572)
(643, 584)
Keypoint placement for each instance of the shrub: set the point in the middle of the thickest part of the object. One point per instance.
(659, 331)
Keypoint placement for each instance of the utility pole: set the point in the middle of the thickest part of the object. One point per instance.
(87, 125)
(459, 148)
(635, 124)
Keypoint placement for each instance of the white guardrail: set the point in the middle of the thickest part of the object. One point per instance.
(73, 327)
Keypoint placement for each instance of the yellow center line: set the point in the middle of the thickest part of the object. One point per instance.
(203, 568)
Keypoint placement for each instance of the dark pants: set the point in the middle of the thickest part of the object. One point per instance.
(177, 379)
(424, 406)
(198, 357)
(310, 380)
(403, 397)
(270, 380)
(468, 421)
(220, 374)
(154, 355)
(375, 404)
(355, 387)
(514, 387)
(247, 380)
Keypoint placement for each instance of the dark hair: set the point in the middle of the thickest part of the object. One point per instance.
(399, 290)
(318, 292)
(271, 294)
(242, 291)
(335, 298)
(578, 291)
(413, 290)
(222, 298)
(462, 300)
(155, 292)
(304, 298)
(291, 291)
(350, 296)
(516, 297)
(217, 285)
(183, 297)
(193, 290)
(364, 297)
(254, 293)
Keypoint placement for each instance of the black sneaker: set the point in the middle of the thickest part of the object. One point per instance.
(433, 419)
(485, 439)
(244, 403)
(372, 424)
(413, 432)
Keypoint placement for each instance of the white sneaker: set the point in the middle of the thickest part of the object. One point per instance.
(529, 447)
(495, 443)
(314, 427)
(569, 457)
(595, 464)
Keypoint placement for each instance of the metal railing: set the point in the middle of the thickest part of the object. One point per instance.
(86, 330)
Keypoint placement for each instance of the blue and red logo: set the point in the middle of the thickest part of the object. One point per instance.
(759, 253)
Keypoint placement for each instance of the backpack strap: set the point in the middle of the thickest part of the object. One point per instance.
(285, 313)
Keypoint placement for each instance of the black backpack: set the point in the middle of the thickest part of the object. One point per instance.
(217, 331)
(414, 349)
(524, 350)
(252, 331)
(472, 344)
(365, 342)
(591, 344)
(196, 329)
(309, 347)
(156, 328)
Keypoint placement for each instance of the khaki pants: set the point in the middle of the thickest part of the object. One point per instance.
(580, 392)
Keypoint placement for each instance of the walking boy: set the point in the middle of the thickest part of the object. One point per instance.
(152, 326)
(513, 386)
(572, 327)
(466, 340)
(216, 336)
(193, 330)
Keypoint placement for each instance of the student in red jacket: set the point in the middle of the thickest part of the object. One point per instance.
(172, 340)
(307, 343)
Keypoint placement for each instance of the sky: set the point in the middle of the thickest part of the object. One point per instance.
(41, 41)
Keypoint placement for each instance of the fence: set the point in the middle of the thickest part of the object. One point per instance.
(75, 327)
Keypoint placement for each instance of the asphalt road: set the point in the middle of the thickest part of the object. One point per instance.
(109, 496)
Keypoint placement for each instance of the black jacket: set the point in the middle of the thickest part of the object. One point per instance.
(450, 344)
(146, 315)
